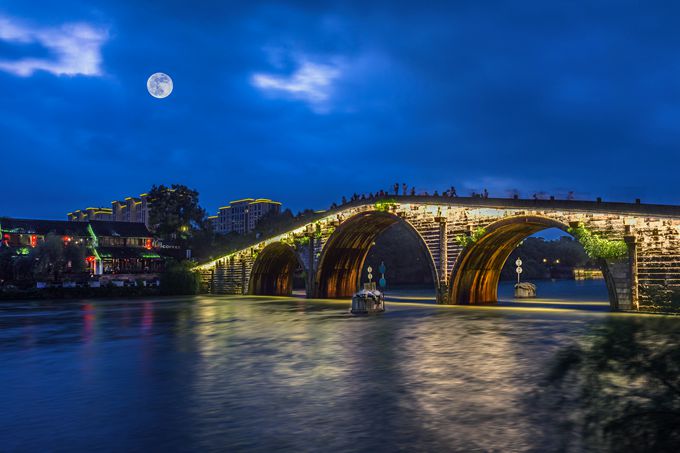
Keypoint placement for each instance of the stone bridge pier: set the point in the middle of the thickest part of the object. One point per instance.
(467, 241)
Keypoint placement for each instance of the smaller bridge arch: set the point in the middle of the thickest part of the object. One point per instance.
(344, 253)
(476, 273)
(273, 270)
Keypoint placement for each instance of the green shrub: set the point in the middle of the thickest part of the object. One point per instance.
(388, 204)
(597, 247)
(467, 240)
(179, 279)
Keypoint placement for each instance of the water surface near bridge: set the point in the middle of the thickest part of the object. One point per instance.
(260, 374)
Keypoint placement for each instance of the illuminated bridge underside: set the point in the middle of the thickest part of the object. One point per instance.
(478, 270)
(273, 271)
(345, 253)
(332, 248)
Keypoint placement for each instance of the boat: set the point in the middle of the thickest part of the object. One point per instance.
(368, 301)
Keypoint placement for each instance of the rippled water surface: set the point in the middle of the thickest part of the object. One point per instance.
(263, 374)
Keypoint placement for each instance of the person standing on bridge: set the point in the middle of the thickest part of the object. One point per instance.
(452, 192)
(486, 193)
(396, 188)
(404, 188)
(413, 191)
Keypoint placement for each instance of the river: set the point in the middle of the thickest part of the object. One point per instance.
(219, 373)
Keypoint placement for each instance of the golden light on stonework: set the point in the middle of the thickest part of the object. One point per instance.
(473, 277)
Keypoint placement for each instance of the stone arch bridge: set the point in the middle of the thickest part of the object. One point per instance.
(467, 241)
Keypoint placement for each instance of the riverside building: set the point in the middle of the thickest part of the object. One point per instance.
(112, 247)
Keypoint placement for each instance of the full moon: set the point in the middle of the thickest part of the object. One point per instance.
(159, 85)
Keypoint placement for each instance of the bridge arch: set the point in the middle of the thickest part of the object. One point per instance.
(476, 273)
(344, 253)
(273, 271)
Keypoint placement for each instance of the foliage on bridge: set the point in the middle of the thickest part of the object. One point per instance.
(467, 240)
(386, 205)
(302, 241)
(597, 247)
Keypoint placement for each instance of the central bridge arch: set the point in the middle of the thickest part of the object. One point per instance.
(343, 256)
(476, 273)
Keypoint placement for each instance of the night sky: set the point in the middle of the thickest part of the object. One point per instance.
(304, 102)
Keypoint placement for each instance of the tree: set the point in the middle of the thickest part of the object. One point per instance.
(178, 279)
(52, 258)
(175, 213)
(7, 257)
(74, 255)
(49, 258)
(534, 250)
(274, 221)
(622, 386)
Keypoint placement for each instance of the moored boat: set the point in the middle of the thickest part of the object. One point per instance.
(368, 301)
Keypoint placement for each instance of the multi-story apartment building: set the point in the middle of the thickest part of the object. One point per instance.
(224, 223)
(132, 209)
(213, 219)
(91, 214)
(241, 216)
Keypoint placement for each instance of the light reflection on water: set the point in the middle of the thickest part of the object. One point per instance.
(259, 374)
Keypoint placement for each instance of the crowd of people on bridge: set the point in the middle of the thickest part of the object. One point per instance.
(403, 190)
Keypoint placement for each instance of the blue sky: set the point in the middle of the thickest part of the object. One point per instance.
(307, 101)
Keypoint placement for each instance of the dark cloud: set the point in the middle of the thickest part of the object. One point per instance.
(529, 96)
